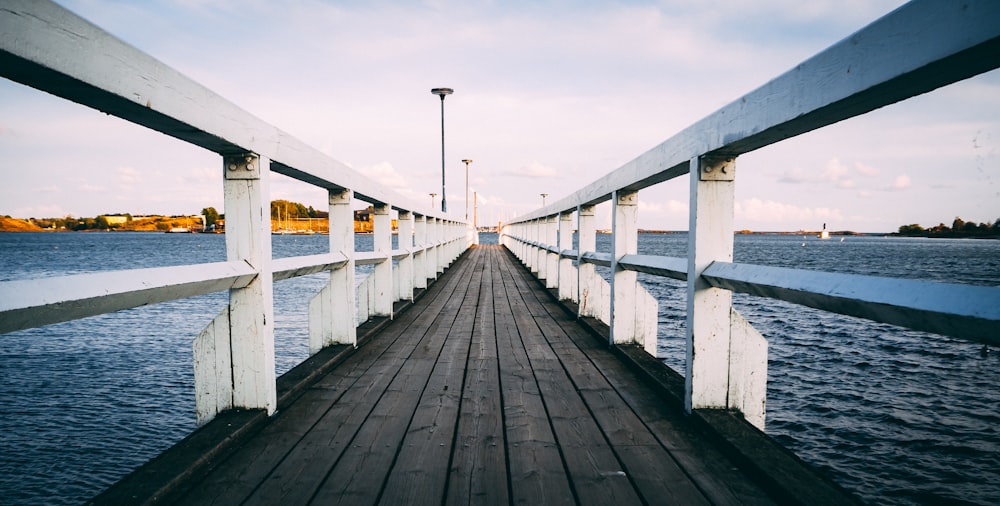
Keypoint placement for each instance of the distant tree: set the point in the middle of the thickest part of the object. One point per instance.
(912, 229)
(211, 216)
(101, 223)
(958, 224)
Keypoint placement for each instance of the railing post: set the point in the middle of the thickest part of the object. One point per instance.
(625, 240)
(420, 255)
(540, 253)
(441, 233)
(405, 235)
(382, 239)
(710, 238)
(251, 309)
(552, 259)
(331, 311)
(567, 288)
(589, 304)
(431, 263)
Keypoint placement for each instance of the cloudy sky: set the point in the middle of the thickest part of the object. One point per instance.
(549, 96)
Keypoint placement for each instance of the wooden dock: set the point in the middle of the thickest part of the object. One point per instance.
(486, 391)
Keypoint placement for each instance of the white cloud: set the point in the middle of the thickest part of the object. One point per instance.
(901, 182)
(865, 170)
(128, 176)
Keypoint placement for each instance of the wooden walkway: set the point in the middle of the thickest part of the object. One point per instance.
(484, 392)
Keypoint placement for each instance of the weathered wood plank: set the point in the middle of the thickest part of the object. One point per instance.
(595, 472)
(478, 472)
(536, 463)
(420, 470)
(704, 464)
(359, 473)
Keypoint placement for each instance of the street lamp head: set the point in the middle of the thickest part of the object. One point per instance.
(442, 92)
(466, 161)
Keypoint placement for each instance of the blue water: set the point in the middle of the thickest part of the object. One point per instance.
(897, 416)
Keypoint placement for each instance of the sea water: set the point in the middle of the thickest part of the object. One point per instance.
(895, 416)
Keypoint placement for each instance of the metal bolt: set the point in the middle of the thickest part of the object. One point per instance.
(232, 166)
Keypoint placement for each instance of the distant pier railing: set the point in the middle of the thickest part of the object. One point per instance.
(917, 48)
(47, 47)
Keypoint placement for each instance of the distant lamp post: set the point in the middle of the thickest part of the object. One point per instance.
(432, 199)
(441, 92)
(543, 198)
(466, 162)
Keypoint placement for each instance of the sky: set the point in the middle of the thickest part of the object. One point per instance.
(549, 96)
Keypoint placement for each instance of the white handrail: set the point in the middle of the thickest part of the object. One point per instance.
(919, 47)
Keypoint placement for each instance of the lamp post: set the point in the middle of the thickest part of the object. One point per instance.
(543, 198)
(432, 199)
(467, 162)
(441, 92)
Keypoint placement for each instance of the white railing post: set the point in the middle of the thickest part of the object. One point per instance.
(444, 235)
(234, 355)
(405, 235)
(552, 259)
(541, 265)
(331, 311)
(431, 264)
(710, 239)
(421, 254)
(589, 304)
(567, 278)
(530, 256)
(382, 239)
(624, 241)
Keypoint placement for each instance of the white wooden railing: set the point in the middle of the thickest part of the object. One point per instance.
(49, 48)
(917, 48)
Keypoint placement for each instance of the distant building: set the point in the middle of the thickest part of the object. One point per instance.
(117, 220)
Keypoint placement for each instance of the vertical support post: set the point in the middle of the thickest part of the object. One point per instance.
(540, 255)
(331, 312)
(441, 233)
(420, 256)
(625, 240)
(382, 239)
(431, 263)
(710, 239)
(552, 259)
(587, 233)
(405, 234)
(566, 275)
(251, 309)
(530, 255)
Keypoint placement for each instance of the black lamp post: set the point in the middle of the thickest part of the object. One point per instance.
(441, 92)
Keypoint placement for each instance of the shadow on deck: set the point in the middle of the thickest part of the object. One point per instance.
(485, 391)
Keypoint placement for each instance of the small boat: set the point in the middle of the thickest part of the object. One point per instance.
(179, 230)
